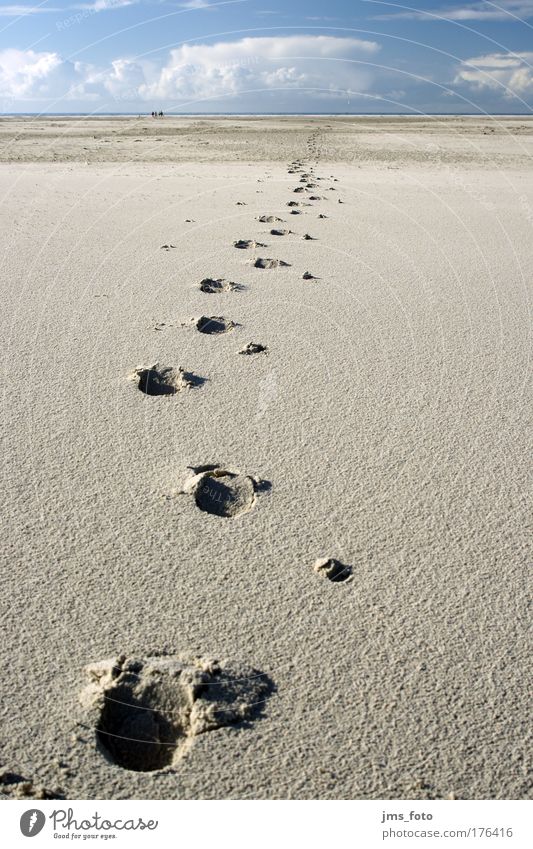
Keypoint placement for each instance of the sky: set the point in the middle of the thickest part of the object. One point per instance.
(314, 56)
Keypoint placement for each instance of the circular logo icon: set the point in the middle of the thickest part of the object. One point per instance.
(32, 822)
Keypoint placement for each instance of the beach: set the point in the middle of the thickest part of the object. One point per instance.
(239, 352)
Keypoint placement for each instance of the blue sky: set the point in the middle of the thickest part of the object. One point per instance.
(266, 56)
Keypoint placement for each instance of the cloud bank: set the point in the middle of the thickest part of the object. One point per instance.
(325, 65)
(503, 10)
(509, 73)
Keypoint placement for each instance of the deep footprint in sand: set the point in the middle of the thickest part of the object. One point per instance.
(214, 324)
(333, 570)
(248, 244)
(254, 348)
(262, 262)
(280, 232)
(222, 492)
(214, 286)
(269, 219)
(308, 276)
(164, 380)
(147, 710)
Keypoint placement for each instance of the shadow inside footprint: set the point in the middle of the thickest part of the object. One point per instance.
(214, 286)
(165, 380)
(254, 348)
(149, 708)
(135, 734)
(333, 570)
(223, 493)
(270, 263)
(214, 324)
(248, 244)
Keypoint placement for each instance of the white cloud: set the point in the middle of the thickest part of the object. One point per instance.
(20, 10)
(503, 10)
(16, 11)
(104, 5)
(229, 68)
(25, 73)
(195, 4)
(509, 73)
(321, 65)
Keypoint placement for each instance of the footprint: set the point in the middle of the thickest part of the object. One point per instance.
(212, 286)
(296, 211)
(315, 197)
(214, 324)
(248, 244)
(269, 219)
(221, 492)
(333, 570)
(322, 215)
(168, 247)
(241, 203)
(293, 203)
(309, 238)
(308, 276)
(270, 263)
(164, 380)
(147, 710)
(254, 348)
(280, 232)
(298, 189)
(16, 786)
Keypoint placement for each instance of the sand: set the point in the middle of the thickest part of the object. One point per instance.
(336, 520)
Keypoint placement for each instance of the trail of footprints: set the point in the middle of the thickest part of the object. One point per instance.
(147, 710)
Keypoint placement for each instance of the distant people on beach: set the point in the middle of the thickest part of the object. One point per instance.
(157, 114)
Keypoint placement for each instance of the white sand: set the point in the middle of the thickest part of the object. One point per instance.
(389, 416)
